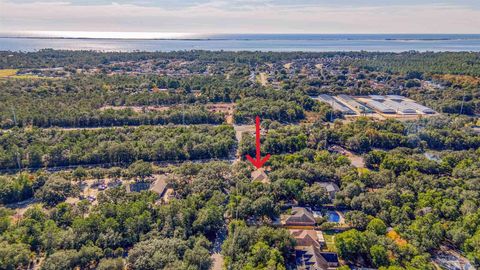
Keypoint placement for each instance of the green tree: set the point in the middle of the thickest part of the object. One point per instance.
(264, 257)
(263, 207)
(379, 256)
(14, 256)
(79, 173)
(357, 219)
(315, 195)
(60, 260)
(55, 190)
(377, 226)
(426, 232)
(209, 220)
(197, 258)
(156, 253)
(110, 264)
(141, 169)
(351, 244)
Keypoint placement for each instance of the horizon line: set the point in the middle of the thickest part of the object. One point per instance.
(142, 35)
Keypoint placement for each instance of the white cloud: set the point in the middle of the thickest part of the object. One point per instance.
(256, 16)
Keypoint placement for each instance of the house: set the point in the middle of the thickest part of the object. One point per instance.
(331, 189)
(162, 188)
(308, 238)
(260, 176)
(308, 251)
(331, 258)
(159, 186)
(311, 258)
(300, 217)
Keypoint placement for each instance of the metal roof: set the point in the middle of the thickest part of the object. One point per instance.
(336, 105)
(378, 106)
(377, 97)
(399, 107)
(395, 97)
(418, 107)
(354, 103)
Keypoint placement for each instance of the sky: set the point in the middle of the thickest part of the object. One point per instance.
(249, 16)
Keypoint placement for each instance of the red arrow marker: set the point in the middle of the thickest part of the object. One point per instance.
(258, 162)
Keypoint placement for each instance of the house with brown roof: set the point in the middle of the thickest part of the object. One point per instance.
(162, 188)
(260, 176)
(159, 186)
(308, 251)
(300, 217)
(308, 237)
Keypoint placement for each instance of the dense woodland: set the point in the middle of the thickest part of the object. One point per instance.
(467, 63)
(101, 116)
(38, 148)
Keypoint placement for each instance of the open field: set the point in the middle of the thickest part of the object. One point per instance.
(8, 72)
(262, 78)
(12, 74)
(225, 108)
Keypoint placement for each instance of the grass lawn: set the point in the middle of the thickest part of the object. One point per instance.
(329, 237)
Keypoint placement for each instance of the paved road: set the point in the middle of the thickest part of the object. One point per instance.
(217, 249)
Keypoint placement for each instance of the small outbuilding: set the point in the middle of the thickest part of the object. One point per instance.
(259, 175)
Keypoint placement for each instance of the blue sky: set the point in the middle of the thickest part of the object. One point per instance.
(249, 16)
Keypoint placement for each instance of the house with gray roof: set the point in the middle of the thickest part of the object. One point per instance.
(331, 189)
(300, 217)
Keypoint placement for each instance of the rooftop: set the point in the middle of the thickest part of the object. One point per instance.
(329, 186)
(260, 176)
(160, 184)
(300, 216)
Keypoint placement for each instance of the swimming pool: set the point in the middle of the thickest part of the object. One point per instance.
(333, 216)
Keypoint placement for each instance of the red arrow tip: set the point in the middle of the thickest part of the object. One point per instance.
(258, 162)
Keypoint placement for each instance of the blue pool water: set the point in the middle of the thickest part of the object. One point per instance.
(333, 216)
